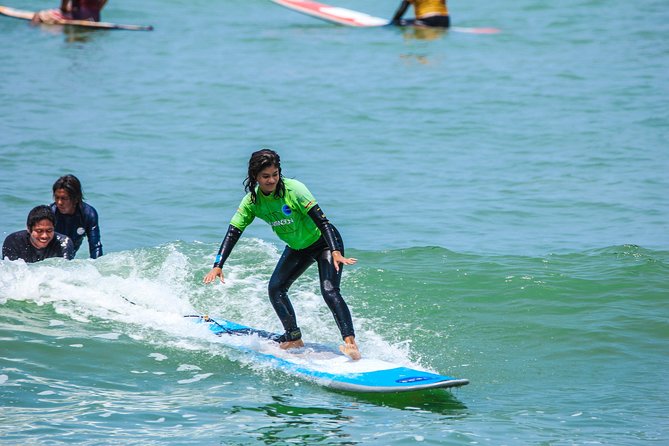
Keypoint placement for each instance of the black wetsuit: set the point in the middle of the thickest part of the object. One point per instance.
(439, 21)
(17, 246)
(292, 264)
(86, 10)
(84, 221)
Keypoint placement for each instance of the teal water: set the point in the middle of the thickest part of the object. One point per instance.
(506, 196)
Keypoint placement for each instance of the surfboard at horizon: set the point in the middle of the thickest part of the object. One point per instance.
(349, 17)
(28, 15)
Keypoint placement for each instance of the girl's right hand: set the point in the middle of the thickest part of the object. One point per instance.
(213, 274)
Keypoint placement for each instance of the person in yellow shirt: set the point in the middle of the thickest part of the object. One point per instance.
(433, 13)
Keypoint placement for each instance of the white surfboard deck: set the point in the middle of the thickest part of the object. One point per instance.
(327, 366)
(349, 17)
(28, 15)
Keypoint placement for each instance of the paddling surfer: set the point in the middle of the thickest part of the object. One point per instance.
(86, 10)
(432, 13)
(297, 219)
(75, 218)
(39, 241)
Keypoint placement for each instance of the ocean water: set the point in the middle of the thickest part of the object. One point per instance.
(506, 196)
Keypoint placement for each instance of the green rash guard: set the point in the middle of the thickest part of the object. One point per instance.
(287, 216)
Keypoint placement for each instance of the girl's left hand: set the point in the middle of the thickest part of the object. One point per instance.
(338, 258)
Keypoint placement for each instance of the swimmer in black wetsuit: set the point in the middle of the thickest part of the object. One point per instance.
(39, 241)
(75, 218)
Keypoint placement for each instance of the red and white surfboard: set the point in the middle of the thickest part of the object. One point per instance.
(333, 14)
(349, 17)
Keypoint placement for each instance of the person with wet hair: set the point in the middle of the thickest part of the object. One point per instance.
(39, 241)
(297, 219)
(75, 218)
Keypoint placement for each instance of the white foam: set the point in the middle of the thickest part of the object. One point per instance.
(144, 294)
(111, 336)
(158, 356)
(159, 420)
(187, 367)
(195, 378)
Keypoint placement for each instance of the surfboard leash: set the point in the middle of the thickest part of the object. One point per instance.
(206, 318)
(239, 331)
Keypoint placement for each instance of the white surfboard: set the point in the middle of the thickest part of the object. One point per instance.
(348, 17)
(327, 366)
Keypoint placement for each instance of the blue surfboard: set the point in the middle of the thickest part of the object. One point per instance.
(327, 366)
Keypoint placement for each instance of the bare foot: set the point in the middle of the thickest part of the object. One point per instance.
(350, 350)
(291, 344)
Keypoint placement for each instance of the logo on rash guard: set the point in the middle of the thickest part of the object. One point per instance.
(286, 210)
(284, 222)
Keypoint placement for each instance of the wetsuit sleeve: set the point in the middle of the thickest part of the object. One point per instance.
(16, 246)
(229, 242)
(93, 233)
(68, 247)
(9, 248)
(61, 246)
(327, 229)
(400, 11)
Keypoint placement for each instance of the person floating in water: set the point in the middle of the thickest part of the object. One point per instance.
(431, 13)
(87, 10)
(297, 219)
(74, 218)
(39, 241)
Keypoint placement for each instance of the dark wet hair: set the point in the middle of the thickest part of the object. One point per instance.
(72, 185)
(39, 213)
(261, 160)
